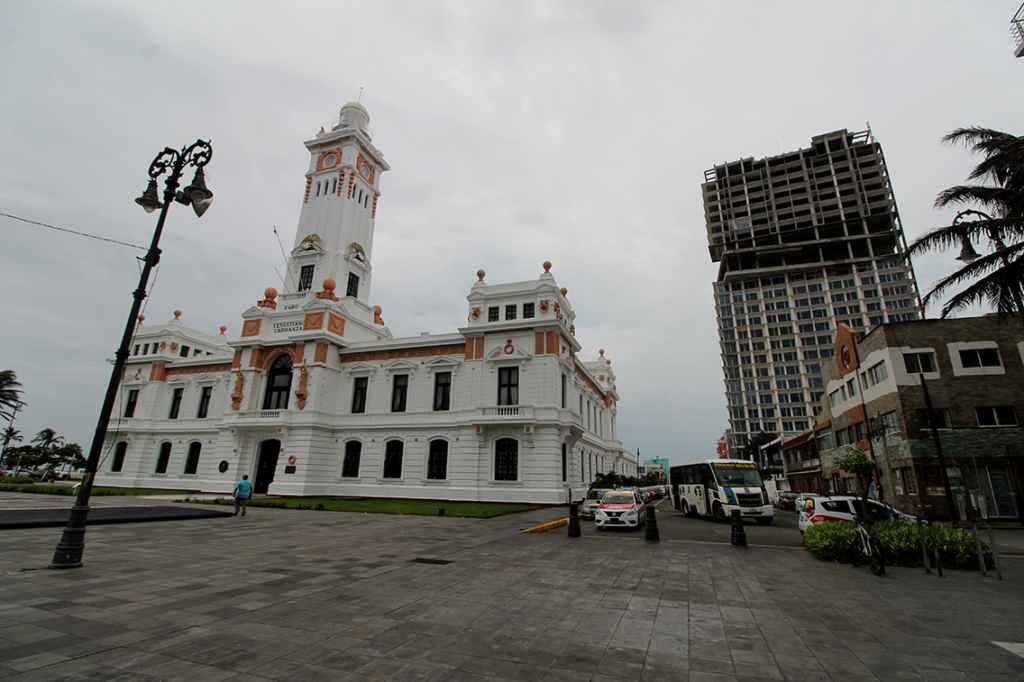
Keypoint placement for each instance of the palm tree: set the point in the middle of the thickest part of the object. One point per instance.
(9, 394)
(9, 435)
(48, 439)
(997, 279)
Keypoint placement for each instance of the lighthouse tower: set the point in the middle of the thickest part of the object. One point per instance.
(334, 238)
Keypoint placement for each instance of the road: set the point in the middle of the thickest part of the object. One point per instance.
(673, 526)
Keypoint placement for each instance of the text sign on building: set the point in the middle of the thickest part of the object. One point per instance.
(284, 327)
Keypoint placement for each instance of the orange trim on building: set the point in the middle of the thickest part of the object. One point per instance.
(294, 351)
(376, 195)
(323, 155)
(313, 321)
(399, 353)
(538, 348)
(336, 324)
(593, 387)
(237, 361)
(373, 170)
(320, 354)
(309, 183)
(479, 348)
(251, 327)
(158, 373)
(554, 344)
(469, 349)
(200, 369)
(256, 359)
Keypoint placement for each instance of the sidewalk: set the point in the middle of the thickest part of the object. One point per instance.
(303, 595)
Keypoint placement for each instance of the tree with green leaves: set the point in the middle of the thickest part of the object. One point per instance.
(47, 439)
(855, 461)
(760, 438)
(10, 394)
(9, 435)
(997, 278)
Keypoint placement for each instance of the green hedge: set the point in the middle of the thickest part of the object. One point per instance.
(901, 544)
(17, 480)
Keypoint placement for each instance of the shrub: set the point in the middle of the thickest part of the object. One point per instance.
(901, 544)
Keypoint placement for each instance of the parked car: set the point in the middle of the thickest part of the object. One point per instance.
(622, 509)
(821, 509)
(784, 499)
(592, 501)
(802, 499)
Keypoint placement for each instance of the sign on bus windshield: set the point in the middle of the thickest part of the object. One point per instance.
(738, 474)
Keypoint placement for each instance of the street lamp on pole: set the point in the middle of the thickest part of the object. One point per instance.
(68, 553)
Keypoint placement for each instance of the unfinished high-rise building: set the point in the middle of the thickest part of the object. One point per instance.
(805, 240)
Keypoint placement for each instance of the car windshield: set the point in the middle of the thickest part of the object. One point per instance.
(791, 496)
(738, 476)
(595, 494)
(612, 498)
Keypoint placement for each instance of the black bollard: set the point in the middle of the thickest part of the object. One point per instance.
(574, 521)
(739, 536)
(440, 512)
(651, 525)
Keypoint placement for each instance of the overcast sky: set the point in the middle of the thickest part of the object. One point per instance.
(517, 132)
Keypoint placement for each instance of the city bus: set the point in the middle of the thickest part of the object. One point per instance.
(715, 487)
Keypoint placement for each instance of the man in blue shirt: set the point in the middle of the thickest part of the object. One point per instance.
(243, 491)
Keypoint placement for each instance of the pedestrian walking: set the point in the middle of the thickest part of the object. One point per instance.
(243, 491)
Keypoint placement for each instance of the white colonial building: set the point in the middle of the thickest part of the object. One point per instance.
(317, 398)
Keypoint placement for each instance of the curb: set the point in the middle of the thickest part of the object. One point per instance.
(547, 526)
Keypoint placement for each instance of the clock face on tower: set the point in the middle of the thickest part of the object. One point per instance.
(844, 355)
(364, 170)
(330, 160)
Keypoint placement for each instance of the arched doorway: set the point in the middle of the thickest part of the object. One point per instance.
(279, 382)
(266, 465)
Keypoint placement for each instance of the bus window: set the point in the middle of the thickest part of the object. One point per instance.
(709, 478)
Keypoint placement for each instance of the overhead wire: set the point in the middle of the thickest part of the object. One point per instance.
(64, 229)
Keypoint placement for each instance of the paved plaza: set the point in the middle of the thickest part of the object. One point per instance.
(306, 595)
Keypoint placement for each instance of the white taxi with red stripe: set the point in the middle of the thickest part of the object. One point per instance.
(620, 509)
(820, 509)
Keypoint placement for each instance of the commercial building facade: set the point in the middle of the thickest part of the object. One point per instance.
(316, 397)
(907, 390)
(805, 241)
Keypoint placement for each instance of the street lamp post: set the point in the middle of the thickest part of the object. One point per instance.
(968, 255)
(68, 553)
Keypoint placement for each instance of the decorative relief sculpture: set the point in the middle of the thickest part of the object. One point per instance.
(236, 397)
(302, 394)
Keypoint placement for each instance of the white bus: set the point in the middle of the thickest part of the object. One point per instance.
(717, 486)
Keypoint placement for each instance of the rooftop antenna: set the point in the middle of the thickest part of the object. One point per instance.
(282, 255)
(359, 100)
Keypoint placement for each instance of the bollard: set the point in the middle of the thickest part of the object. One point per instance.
(992, 546)
(574, 521)
(924, 545)
(935, 547)
(440, 512)
(977, 544)
(651, 524)
(739, 536)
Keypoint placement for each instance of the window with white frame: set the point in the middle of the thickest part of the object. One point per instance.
(996, 416)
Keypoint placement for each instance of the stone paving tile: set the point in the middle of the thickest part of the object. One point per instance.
(324, 599)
